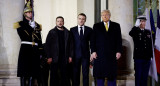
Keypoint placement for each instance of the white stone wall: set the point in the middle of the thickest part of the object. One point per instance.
(87, 7)
(10, 12)
(46, 12)
(122, 12)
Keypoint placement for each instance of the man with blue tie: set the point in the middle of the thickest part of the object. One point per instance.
(81, 37)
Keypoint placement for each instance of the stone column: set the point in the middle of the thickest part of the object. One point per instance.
(103, 4)
(122, 12)
(10, 12)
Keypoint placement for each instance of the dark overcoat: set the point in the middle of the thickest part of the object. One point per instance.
(52, 45)
(106, 44)
(29, 56)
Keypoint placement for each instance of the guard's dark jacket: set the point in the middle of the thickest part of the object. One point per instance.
(106, 45)
(52, 45)
(29, 56)
(142, 43)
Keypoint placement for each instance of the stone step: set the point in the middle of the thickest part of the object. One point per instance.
(8, 77)
(9, 82)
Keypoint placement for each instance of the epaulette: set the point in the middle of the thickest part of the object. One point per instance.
(40, 27)
(16, 25)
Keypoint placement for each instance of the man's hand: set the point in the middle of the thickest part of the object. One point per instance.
(49, 60)
(93, 56)
(118, 55)
(70, 60)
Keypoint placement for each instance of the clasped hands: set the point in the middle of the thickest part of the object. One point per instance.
(94, 56)
(49, 61)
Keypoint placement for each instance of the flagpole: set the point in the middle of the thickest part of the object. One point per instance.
(32, 5)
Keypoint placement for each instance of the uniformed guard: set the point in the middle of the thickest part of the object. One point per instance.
(142, 51)
(29, 57)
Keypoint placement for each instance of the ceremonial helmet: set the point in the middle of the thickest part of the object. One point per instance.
(27, 7)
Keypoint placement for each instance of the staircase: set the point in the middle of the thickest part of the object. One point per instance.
(9, 77)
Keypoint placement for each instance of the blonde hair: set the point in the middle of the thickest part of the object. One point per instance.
(106, 11)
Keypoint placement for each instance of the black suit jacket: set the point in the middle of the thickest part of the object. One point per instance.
(52, 45)
(106, 45)
(81, 47)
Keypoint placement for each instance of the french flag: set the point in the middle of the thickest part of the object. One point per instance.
(157, 44)
(153, 69)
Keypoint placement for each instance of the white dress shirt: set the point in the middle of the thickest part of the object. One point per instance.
(79, 29)
(108, 24)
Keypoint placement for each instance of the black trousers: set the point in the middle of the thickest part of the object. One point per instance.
(44, 76)
(59, 74)
(141, 71)
(85, 70)
(29, 81)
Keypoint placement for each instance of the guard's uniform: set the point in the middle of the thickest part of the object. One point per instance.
(29, 56)
(142, 43)
(142, 54)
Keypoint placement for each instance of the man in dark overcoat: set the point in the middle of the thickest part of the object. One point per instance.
(58, 49)
(106, 48)
(29, 55)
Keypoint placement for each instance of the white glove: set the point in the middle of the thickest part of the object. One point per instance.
(32, 24)
(137, 24)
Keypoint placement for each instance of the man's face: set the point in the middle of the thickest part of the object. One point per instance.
(143, 23)
(81, 20)
(105, 16)
(59, 22)
(28, 15)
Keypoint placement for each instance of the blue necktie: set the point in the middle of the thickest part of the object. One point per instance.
(81, 33)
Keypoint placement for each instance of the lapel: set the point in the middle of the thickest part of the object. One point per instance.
(110, 25)
(103, 28)
(109, 28)
(85, 31)
(66, 36)
(76, 32)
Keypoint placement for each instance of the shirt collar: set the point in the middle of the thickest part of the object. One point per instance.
(80, 26)
(105, 23)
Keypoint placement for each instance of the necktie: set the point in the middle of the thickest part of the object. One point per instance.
(81, 33)
(106, 26)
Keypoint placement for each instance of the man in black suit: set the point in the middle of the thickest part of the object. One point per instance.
(58, 50)
(106, 48)
(81, 37)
